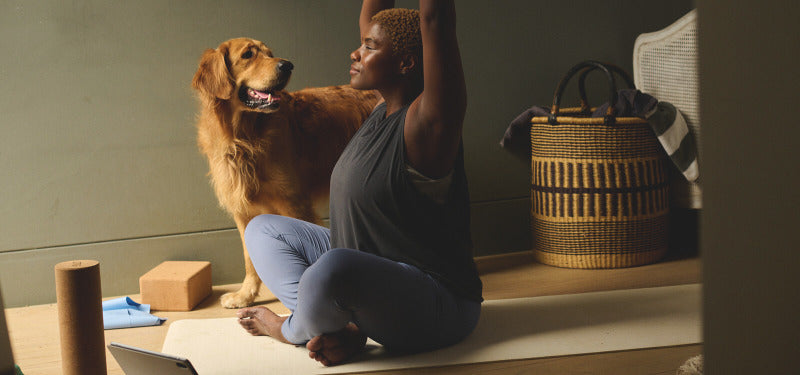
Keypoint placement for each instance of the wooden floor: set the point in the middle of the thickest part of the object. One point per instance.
(34, 329)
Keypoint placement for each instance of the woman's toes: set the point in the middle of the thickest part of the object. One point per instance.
(248, 312)
(315, 344)
(331, 341)
(331, 349)
(338, 354)
(250, 327)
(255, 320)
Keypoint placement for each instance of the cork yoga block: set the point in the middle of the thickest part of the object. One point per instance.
(176, 286)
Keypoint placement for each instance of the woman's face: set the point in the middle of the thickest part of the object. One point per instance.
(374, 65)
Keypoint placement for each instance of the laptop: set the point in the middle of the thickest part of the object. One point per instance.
(137, 361)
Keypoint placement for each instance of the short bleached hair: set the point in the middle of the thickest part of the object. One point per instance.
(402, 27)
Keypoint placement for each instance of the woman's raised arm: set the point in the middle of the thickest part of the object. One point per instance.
(435, 119)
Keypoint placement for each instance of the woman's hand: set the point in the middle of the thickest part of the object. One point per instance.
(368, 9)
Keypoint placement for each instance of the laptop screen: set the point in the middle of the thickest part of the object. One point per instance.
(138, 361)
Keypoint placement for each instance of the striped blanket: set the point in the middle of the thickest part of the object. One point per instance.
(673, 133)
(667, 122)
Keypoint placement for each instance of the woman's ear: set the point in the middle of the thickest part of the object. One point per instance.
(212, 77)
(408, 63)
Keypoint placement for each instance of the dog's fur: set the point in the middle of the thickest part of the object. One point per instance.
(269, 151)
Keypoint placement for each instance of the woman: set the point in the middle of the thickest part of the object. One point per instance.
(396, 264)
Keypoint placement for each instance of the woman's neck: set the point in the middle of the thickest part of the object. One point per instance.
(398, 98)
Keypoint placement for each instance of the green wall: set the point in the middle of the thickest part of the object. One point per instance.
(97, 152)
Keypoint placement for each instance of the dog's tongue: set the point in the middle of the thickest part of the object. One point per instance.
(259, 94)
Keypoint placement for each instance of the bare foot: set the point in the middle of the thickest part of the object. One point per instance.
(332, 349)
(260, 321)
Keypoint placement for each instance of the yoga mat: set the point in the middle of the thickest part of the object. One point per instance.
(80, 317)
(508, 329)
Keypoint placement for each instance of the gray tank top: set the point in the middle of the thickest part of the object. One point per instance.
(374, 207)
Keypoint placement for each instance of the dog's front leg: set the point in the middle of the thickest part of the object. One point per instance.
(247, 293)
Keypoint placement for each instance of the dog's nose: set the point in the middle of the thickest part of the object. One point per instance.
(285, 66)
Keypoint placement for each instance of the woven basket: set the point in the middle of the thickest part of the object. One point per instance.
(599, 186)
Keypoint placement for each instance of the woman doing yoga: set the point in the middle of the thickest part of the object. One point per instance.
(396, 264)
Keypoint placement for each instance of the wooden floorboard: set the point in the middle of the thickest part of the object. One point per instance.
(34, 329)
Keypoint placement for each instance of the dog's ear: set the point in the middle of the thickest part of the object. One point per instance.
(212, 77)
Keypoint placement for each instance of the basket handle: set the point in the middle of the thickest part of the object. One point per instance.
(610, 115)
(585, 107)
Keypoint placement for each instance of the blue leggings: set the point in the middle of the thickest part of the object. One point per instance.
(393, 303)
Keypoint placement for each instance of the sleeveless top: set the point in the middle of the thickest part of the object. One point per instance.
(375, 208)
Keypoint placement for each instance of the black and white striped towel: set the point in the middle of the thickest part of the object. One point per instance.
(666, 121)
(673, 133)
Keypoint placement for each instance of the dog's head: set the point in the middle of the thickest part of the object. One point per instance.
(244, 72)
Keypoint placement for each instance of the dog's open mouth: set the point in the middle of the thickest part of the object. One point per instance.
(259, 99)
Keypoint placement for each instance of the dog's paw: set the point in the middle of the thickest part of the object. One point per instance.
(236, 300)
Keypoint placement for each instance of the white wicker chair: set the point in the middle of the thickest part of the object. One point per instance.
(665, 66)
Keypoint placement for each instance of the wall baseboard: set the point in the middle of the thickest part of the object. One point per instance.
(27, 277)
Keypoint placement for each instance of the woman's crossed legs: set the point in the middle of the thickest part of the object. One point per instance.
(339, 296)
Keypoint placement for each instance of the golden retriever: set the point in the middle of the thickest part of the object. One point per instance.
(269, 151)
